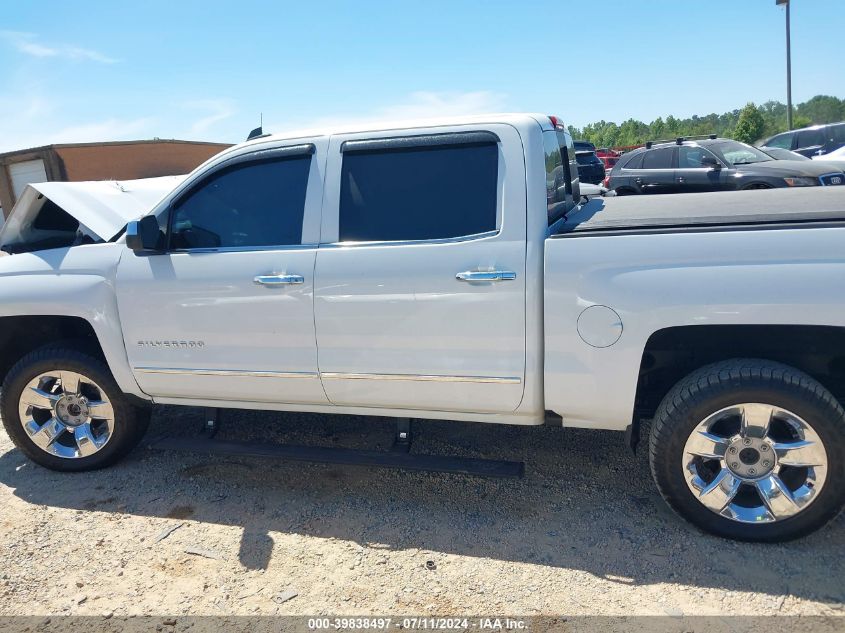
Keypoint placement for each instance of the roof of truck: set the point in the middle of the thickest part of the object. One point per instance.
(702, 211)
(381, 125)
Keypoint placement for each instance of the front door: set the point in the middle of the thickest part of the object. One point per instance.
(694, 176)
(226, 311)
(420, 281)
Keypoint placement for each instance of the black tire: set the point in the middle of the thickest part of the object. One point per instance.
(130, 422)
(728, 383)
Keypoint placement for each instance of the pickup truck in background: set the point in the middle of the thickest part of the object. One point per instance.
(448, 270)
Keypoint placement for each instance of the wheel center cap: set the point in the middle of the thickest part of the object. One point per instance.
(750, 457)
(72, 410)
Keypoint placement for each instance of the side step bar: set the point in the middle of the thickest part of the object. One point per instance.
(326, 455)
(398, 457)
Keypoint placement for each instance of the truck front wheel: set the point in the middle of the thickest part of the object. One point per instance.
(750, 449)
(62, 409)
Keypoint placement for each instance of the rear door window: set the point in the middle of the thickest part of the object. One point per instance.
(418, 193)
(837, 133)
(810, 138)
(659, 158)
(635, 163)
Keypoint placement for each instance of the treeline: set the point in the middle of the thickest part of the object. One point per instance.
(743, 124)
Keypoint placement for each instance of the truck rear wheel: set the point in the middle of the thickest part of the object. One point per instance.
(751, 450)
(62, 409)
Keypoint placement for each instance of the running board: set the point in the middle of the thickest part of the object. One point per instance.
(326, 455)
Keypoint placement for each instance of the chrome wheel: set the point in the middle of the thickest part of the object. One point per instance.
(754, 463)
(66, 414)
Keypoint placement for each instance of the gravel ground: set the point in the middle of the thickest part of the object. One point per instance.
(583, 533)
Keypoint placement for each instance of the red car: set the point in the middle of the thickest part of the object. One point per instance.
(608, 156)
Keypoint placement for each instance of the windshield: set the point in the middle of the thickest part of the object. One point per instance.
(736, 153)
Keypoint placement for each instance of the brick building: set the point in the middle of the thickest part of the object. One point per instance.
(119, 160)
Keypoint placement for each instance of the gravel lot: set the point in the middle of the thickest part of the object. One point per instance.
(583, 533)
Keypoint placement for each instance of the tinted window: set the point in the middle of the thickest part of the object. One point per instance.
(252, 204)
(658, 158)
(636, 162)
(558, 184)
(418, 193)
(784, 141)
(808, 138)
(837, 133)
(586, 158)
(690, 157)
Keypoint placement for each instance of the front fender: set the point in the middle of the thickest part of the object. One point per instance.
(74, 282)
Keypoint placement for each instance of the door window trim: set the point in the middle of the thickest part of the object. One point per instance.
(447, 139)
(437, 240)
(251, 158)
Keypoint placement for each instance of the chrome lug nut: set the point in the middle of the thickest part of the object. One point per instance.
(747, 441)
(735, 465)
(752, 471)
(766, 463)
(732, 450)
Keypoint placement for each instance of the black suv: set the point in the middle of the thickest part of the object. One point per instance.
(810, 141)
(713, 164)
(590, 167)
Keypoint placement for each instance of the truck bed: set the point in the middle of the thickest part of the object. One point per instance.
(706, 211)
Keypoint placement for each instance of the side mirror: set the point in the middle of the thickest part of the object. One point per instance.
(143, 235)
(711, 163)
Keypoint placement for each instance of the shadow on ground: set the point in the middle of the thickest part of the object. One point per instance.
(585, 503)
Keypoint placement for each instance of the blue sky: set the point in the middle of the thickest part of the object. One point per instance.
(105, 70)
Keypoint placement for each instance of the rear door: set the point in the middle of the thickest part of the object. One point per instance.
(420, 276)
(657, 174)
(810, 142)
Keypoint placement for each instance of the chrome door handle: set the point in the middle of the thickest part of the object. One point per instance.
(492, 275)
(279, 280)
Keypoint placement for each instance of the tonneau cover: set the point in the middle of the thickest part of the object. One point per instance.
(696, 210)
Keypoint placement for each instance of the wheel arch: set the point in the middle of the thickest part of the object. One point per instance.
(19, 335)
(674, 352)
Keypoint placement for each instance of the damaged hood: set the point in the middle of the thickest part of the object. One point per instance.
(102, 208)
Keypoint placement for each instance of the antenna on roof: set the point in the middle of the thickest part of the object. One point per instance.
(259, 131)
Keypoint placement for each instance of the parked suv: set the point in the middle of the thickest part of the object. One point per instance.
(590, 166)
(712, 164)
(810, 141)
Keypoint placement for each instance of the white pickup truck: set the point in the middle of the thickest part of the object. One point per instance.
(447, 269)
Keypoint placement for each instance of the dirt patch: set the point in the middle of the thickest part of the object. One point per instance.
(583, 533)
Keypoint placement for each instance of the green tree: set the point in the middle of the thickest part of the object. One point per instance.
(772, 114)
(750, 126)
(822, 109)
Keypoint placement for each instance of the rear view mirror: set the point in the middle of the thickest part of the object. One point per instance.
(143, 234)
(710, 162)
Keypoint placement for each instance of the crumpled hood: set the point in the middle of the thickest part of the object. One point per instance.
(101, 207)
(789, 168)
